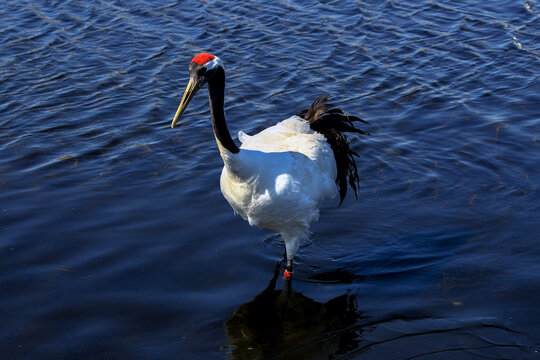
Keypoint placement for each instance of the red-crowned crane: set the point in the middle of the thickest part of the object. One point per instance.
(278, 178)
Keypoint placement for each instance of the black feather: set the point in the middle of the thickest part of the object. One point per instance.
(332, 123)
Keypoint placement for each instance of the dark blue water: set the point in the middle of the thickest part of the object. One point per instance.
(115, 241)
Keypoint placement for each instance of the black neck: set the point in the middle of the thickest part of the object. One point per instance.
(216, 92)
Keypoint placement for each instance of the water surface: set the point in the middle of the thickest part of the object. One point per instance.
(115, 241)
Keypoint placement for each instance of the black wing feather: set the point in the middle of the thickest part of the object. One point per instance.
(332, 123)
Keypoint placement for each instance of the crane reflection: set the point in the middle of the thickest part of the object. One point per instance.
(285, 324)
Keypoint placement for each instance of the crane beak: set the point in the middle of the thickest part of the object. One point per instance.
(191, 89)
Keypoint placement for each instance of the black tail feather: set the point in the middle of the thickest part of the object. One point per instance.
(332, 123)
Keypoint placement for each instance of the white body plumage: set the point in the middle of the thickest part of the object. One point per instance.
(279, 178)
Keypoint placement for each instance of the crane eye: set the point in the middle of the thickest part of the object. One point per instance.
(201, 71)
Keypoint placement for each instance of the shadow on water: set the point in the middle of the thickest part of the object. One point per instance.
(285, 324)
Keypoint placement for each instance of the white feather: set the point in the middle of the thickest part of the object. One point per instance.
(243, 137)
(279, 178)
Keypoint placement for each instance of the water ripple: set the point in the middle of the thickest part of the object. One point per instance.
(115, 239)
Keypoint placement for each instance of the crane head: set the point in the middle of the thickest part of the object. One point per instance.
(201, 69)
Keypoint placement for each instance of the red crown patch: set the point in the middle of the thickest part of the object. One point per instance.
(202, 58)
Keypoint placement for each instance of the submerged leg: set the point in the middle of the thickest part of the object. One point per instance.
(291, 245)
(288, 269)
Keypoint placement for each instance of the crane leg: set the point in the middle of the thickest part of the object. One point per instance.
(289, 256)
(291, 245)
(288, 269)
